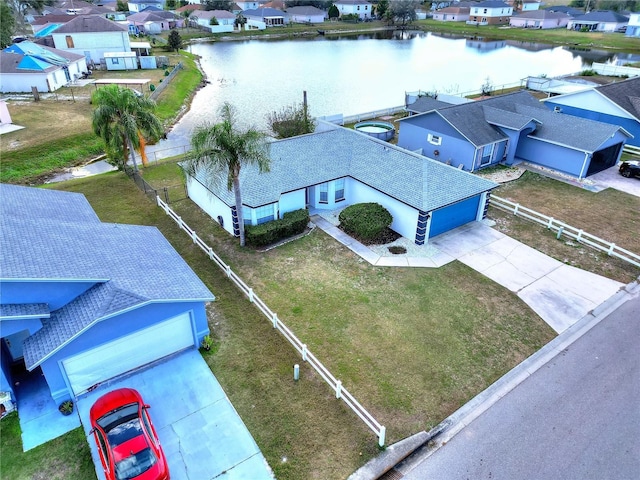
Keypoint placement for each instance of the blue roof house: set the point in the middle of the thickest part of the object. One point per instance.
(615, 103)
(84, 301)
(336, 167)
(509, 129)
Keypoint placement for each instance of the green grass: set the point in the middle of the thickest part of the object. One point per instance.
(65, 458)
(177, 95)
(411, 344)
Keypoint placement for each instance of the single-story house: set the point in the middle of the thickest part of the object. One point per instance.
(242, 5)
(26, 64)
(306, 14)
(336, 167)
(44, 23)
(598, 21)
(529, 5)
(615, 103)
(509, 129)
(82, 301)
(226, 20)
(540, 19)
(633, 27)
(571, 11)
(361, 8)
(490, 12)
(452, 14)
(151, 22)
(92, 36)
(269, 17)
(139, 5)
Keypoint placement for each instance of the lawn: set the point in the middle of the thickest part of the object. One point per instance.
(412, 345)
(610, 214)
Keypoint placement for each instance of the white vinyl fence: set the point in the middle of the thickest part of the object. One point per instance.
(563, 229)
(615, 70)
(307, 356)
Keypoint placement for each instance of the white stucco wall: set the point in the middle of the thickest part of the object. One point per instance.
(22, 82)
(96, 44)
(591, 100)
(292, 201)
(211, 204)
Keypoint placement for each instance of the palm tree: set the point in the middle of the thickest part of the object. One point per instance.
(221, 150)
(123, 119)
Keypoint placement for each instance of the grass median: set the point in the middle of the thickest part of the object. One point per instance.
(412, 345)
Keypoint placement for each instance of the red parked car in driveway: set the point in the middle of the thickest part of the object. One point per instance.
(127, 442)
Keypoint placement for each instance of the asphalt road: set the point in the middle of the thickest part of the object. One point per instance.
(578, 417)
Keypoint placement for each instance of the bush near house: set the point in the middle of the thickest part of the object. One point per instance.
(292, 223)
(365, 221)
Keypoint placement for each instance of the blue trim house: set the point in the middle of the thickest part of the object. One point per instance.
(336, 167)
(615, 103)
(83, 301)
(509, 129)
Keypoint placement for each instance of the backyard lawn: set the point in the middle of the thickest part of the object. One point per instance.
(412, 345)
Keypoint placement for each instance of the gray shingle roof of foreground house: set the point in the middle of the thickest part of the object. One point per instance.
(316, 158)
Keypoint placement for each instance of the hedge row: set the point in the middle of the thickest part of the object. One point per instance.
(292, 223)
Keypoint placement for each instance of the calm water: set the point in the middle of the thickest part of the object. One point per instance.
(360, 73)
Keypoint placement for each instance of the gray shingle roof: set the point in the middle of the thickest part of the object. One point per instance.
(426, 104)
(602, 16)
(90, 24)
(492, 4)
(9, 311)
(542, 15)
(625, 94)
(51, 235)
(308, 160)
(503, 118)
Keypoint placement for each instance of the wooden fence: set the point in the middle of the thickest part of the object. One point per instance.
(563, 229)
(307, 356)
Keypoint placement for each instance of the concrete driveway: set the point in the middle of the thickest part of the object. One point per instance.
(201, 434)
(611, 178)
(560, 294)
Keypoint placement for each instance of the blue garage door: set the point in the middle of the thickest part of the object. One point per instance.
(453, 216)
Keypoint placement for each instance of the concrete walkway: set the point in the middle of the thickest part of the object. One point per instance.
(558, 293)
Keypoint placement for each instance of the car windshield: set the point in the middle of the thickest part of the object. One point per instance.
(122, 424)
(135, 465)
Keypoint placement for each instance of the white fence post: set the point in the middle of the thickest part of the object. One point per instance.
(550, 224)
(383, 432)
(612, 247)
(515, 209)
(228, 269)
(250, 293)
(304, 352)
(275, 320)
(338, 389)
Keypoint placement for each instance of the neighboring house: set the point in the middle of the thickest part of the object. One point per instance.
(540, 19)
(573, 12)
(26, 65)
(92, 36)
(267, 17)
(248, 5)
(490, 12)
(189, 8)
(357, 7)
(306, 15)
(598, 21)
(43, 26)
(226, 20)
(139, 5)
(633, 28)
(616, 103)
(151, 22)
(337, 167)
(452, 14)
(509, 129)
(82, 301)
(530, 5)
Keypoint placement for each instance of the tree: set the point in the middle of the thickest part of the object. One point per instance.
(122, 6)
(333, 12)
(7, 25)
(174, 40)
(218, 5)
(20, 8)
(124, 120)
(404, 11)
(221, 150)
(239, 21)
(383, 6)
(291, 121)
(213, 21)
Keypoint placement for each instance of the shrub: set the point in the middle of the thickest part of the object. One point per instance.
(292, 223)
(365, 221)
(588, 73)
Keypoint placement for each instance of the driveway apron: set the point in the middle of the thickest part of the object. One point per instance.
(201, 434)
(560, 294)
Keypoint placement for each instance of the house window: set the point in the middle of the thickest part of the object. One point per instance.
(485, 11)
(339, 190)
(69, 40)
(324, 193)
(487, 150)
(264, 214)
(358, 7)
(434, 139)
(115, 61)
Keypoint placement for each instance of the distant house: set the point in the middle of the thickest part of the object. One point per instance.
(43, 26)
(530, 5)
(361, 8)
(226, 20)
(490, 12)
(452, 14)
(25, 65)
(92, 36)
(152, 22)
(616, 103)
(306, 14)
(248, 5)
(139, 5)
(74, 307)
(512, 128)
(633, 28)
(266, 17)
(598, 21)
(571, 11)
(540, 19)
(337, 167)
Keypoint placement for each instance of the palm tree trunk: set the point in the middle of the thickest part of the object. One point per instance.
(132, 152)
(236, 191)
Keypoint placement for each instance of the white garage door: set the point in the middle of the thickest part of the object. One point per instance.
(127, 353)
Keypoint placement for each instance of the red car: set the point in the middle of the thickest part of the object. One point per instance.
(127, 441)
